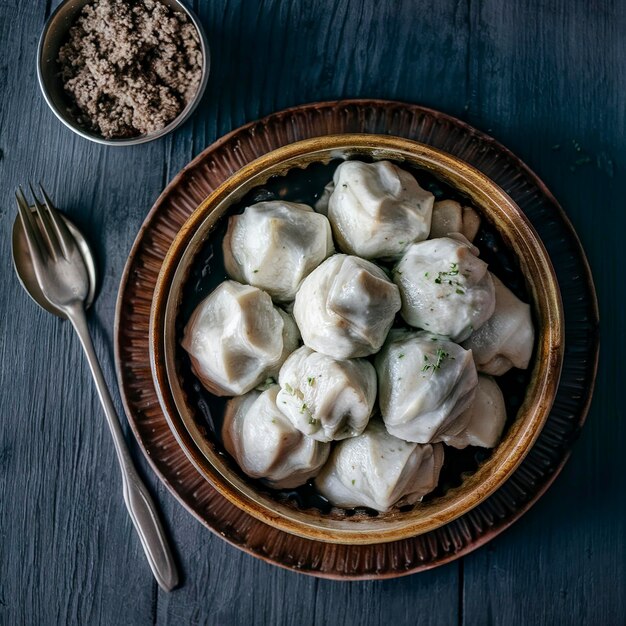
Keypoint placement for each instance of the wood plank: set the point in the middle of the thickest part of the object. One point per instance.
(270, 55)
(551, 84)
(225, 586)
(67, 541)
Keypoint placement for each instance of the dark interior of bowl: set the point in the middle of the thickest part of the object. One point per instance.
(207, 272)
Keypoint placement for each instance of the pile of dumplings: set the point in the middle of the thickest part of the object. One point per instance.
(326, 382)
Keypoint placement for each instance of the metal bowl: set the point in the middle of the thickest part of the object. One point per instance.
(54, 36)
(190, 428)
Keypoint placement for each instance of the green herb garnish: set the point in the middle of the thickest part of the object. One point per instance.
(267, 383)
(441, 276)
(440, 356)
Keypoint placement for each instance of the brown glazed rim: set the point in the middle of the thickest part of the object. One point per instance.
(535, 264)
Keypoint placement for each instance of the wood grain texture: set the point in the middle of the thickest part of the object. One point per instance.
(553, 91)
(536, 75)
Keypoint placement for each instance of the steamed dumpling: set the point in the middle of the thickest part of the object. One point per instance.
(445, 287)
(345, 307)
(377, 209)
(326, 398)
(274, 245)
(506, 340)
(450, 217)
(487, 416)
(236, 338)
(425, 383)
(266, 445)
(378, 471)
(321, 206)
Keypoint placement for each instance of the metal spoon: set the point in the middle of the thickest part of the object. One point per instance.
(24, 266)
(56, 267)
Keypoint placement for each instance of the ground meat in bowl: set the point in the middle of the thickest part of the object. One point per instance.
(130, 67)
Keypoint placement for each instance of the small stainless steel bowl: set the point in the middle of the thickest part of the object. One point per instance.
(54, 36)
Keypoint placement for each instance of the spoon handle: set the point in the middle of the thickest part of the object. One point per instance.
(139, 503)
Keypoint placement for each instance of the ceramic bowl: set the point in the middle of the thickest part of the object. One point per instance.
(48, 72)
(190, 427)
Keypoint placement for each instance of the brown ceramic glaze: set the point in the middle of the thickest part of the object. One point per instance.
(182, 413)
(456, 538)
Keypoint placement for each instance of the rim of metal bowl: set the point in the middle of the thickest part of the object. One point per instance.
(184, 115)
(539, 396)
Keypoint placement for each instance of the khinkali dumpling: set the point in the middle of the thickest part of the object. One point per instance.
(450, 217)
(326, 398)
(378, 471)
(445, 287)
(506, 340)
(487, 416)
(321, 206)
(236, 338)
(345, 307)
(266, 445)
(274, 245)
(377, 209)
(425, 383)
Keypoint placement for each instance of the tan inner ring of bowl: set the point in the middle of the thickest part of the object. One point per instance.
(517, 233)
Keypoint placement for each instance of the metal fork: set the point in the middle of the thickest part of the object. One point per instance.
(62, 276)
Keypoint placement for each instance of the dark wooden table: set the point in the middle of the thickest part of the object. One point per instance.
(547, 79)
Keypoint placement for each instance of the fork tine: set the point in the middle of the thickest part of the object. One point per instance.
(65, 237)
(31, 230)
(46, 226)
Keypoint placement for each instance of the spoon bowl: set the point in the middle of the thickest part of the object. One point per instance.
(25, 271)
